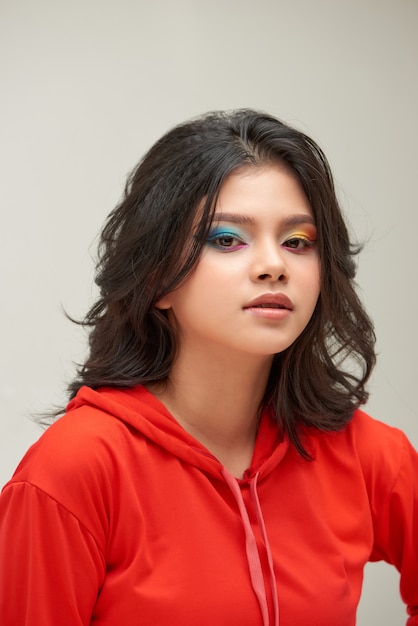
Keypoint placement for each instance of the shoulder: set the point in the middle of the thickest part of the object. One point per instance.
(367, 437)
(375, 441)
(77, 463)
(388, 459)
(364, 424)
(80, 440)
(380, 454)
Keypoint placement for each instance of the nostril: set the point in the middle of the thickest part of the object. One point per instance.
(280, 278)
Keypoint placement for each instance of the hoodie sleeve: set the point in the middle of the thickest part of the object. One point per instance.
(51, 568)
(396, 528)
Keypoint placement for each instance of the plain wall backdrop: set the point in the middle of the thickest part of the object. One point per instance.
(88, 85)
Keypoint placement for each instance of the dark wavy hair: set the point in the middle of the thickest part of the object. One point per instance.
(146, 250)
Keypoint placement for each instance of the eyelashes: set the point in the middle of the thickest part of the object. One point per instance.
(226, 240)
(299, 242)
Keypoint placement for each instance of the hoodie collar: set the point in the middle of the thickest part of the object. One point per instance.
(139, 409)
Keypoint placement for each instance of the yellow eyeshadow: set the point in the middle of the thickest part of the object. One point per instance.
(309, 233)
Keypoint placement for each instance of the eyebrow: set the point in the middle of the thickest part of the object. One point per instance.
(245, 220)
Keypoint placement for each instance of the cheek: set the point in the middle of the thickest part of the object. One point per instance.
(312, 280)
(213, 275)
(316, 278)
(194, 297)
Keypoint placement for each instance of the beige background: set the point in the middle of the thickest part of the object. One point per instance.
(88, 85)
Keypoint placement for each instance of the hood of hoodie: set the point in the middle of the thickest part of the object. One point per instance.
(142, 412)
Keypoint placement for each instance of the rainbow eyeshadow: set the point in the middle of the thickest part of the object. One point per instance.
(307, 237)
(225, 239)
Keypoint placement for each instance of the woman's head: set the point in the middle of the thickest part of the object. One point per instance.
(183, 173)
(147, 247)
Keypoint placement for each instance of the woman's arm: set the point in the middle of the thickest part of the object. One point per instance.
(51, 568)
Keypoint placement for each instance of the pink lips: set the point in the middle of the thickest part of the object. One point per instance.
(273, 306)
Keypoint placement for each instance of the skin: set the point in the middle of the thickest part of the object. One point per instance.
(262, 243)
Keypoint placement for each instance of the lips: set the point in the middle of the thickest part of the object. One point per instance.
(271, 301)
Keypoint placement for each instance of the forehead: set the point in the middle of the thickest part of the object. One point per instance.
(253, 189)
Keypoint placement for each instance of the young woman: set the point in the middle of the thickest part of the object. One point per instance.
(213, 465)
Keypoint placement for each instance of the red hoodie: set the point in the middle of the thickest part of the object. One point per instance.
(118, 517)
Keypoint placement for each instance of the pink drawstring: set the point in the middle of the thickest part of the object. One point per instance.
(253, 556)
(260, 519)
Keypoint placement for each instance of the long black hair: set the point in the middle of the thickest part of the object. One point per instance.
(146, 250)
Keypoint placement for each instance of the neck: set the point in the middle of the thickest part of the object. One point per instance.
(217, 401)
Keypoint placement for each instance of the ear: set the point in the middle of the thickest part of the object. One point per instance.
(164, 303)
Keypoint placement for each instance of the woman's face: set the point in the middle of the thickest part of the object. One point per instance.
(256, 284)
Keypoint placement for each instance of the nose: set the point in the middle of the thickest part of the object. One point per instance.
(269, 264)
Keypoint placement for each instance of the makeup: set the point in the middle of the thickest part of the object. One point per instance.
(271, 306)
(226, 239)
(301, 240)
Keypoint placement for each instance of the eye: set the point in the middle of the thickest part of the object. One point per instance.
(225, 241)
(299, 243)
